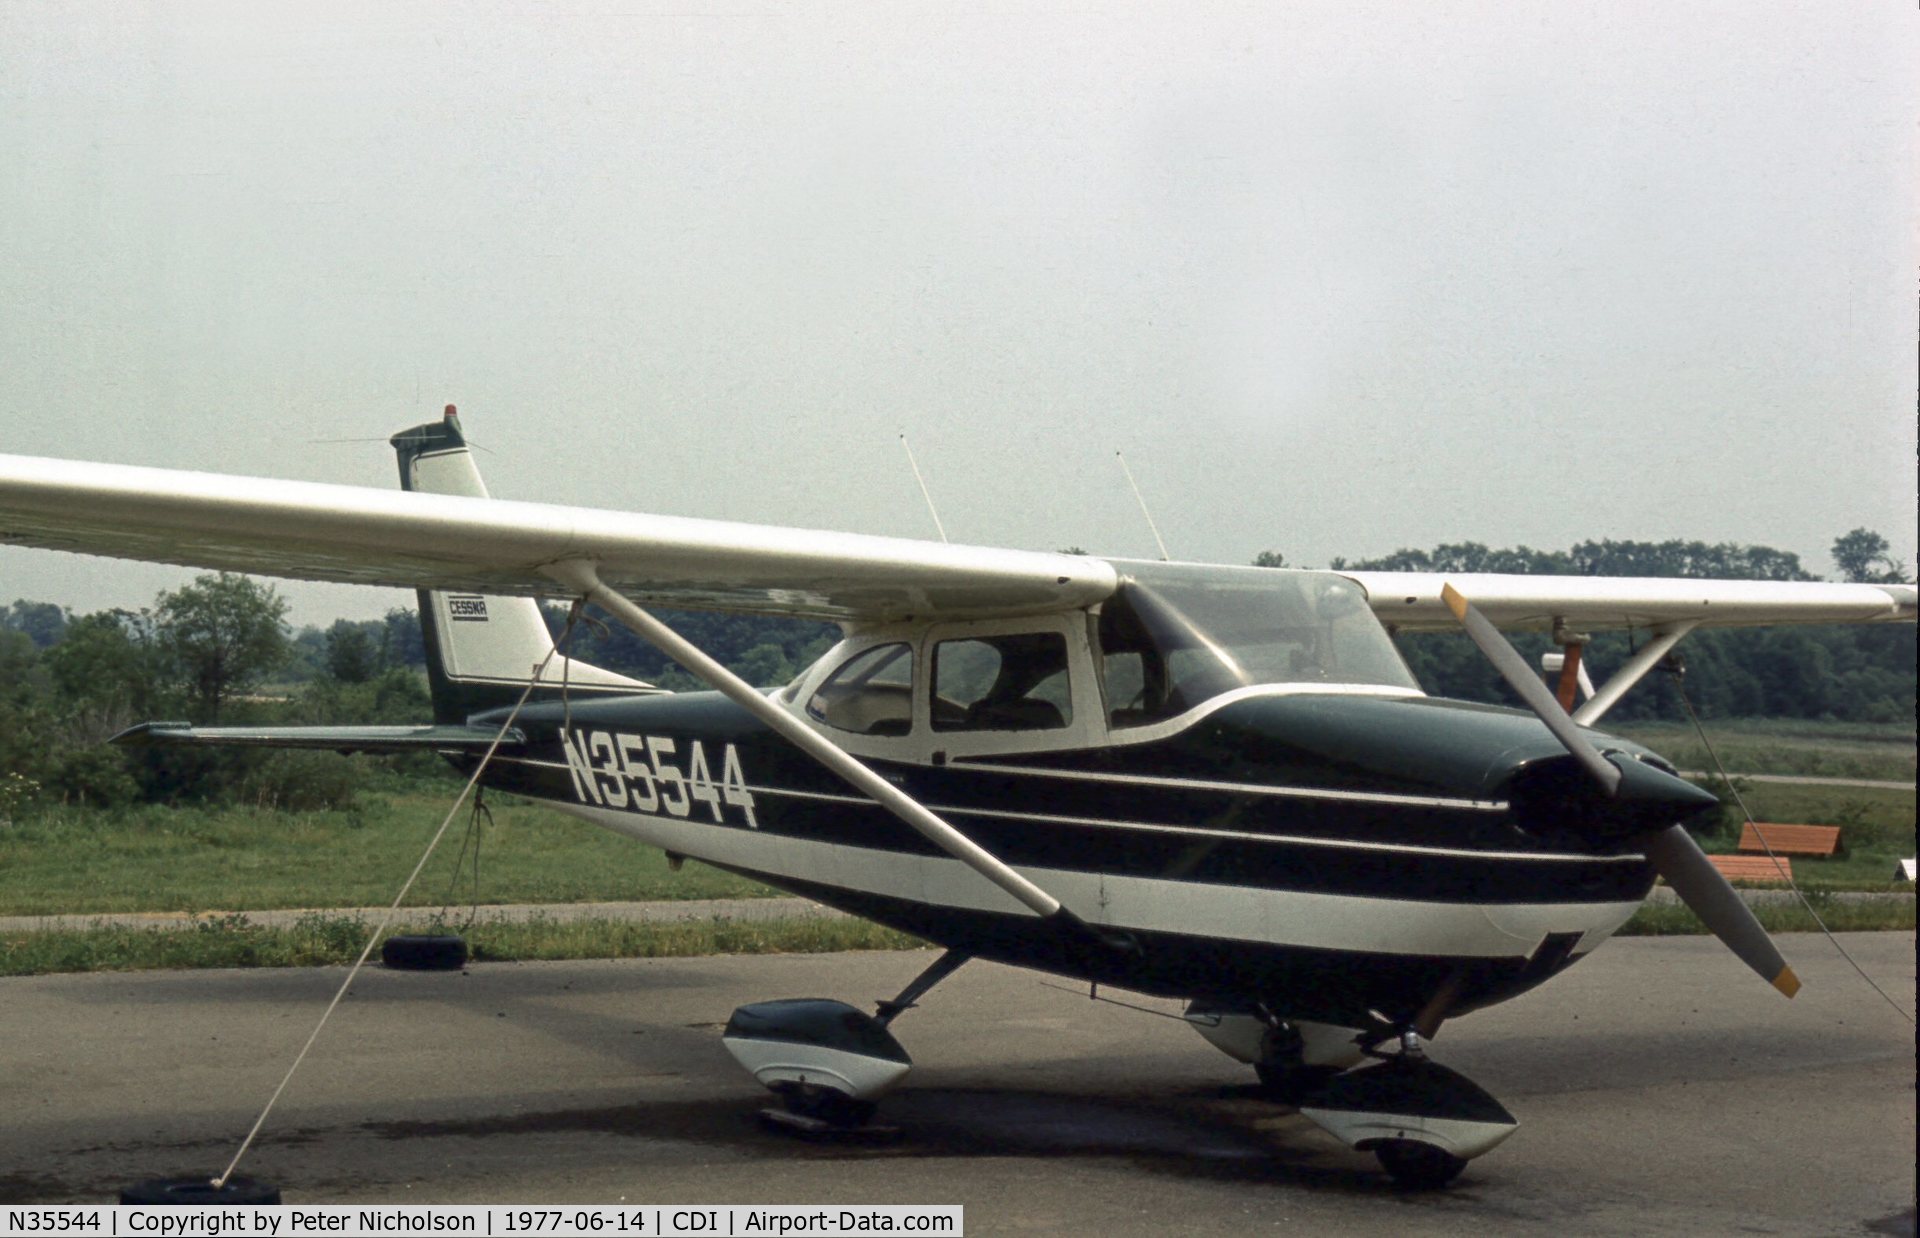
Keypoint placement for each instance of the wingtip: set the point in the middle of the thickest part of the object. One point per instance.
(1787, 982)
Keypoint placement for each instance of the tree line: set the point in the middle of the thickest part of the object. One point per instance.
(1855, 674)
(201, 653)
(220, 650)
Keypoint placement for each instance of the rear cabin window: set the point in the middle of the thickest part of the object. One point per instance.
(871, 693)
(1002, 683)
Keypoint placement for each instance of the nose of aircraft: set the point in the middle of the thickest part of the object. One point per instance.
(1427, 746)
(1557, 798)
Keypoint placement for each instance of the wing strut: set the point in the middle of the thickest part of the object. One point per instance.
(581, 578)
(1664, 639)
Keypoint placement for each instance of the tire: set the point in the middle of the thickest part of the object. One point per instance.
(826, 1105)
(424, 952)
(198, 1192)
(1418, 1166)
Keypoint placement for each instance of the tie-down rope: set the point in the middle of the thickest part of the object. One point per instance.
(1785, 873)
(387, 918)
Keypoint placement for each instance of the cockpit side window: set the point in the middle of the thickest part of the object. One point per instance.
(1016, 682)
(870, 694)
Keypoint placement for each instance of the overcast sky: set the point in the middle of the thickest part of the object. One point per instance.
(1338, 278)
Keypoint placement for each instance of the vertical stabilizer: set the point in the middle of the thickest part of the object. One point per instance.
(482, 648)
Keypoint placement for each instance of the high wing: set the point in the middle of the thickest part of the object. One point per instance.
(1411, 601)
(313, 531)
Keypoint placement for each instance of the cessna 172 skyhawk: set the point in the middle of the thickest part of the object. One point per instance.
(1214, 784)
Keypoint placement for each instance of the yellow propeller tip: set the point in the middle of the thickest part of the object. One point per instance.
(1455, 602)
(1787, 982)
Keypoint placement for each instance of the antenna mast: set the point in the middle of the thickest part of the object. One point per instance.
(1164, 556)
(931, 510)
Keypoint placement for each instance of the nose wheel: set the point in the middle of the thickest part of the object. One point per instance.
(1422, 1121)
(824, 1108)
(826, 1061)
(1418, 1166)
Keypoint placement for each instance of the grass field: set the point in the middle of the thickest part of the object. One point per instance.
(1877, 823)
(1876, 830)
(1658, 920)
(243, 859)
(1784, 746)
(328, 940)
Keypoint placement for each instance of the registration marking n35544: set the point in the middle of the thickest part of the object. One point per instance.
(612, 769)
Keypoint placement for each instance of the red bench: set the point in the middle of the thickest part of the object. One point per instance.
(1791, 839)
(1758, 868)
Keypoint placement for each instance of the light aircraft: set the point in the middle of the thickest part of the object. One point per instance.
(1214, 784)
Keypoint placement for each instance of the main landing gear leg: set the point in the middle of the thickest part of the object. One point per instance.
(827, 1061)
(942, 967)
(1423, 1121)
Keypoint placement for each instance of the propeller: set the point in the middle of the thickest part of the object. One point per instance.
(1671, 851)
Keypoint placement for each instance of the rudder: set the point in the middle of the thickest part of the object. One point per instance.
(482, 648)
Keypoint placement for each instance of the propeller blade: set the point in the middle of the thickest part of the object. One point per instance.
(1676, 857)
(1671, 851)
(1520, 677)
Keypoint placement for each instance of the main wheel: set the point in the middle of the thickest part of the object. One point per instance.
(1418, 1166)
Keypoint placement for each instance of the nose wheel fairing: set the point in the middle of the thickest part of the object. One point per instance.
(1407, 1099)
(1423, 1121)
(807, 1047)
(828, 1061)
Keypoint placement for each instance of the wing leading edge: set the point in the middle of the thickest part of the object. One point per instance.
(1411, 601)
(315, 531)
(359, 535)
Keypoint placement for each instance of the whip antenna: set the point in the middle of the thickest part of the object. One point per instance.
(931, 510)
(1164, 556)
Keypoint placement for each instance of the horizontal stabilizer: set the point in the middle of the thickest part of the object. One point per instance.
(335, 738)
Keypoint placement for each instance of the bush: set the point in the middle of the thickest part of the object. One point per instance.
(92, 775)
(300, 781)
(15, 791)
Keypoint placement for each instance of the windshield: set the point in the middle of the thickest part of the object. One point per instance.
(1173, 636)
